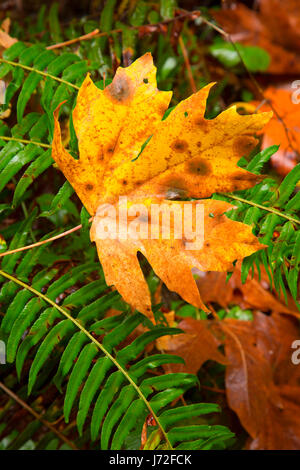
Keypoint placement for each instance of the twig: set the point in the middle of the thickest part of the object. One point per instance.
(37, 416)
(187, 64)
(34, 245)
(86, 37)
(73, 41)
(213, 389)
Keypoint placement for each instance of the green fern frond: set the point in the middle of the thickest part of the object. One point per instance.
(273, 211)
(104, 369)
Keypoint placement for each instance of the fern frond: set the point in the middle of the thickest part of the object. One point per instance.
(273, 211)
(54, 78)
(104, 372)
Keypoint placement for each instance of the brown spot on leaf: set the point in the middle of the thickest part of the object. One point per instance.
(89, 187)
(243, 145)
(175, 188)
(179, 145)
(203, 123)
(199, 166)
(120, 89)
(100, 155)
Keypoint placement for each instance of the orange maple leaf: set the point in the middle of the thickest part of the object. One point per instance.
(285, 131)
(187, 156)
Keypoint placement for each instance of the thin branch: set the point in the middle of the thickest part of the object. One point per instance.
(73, 41)
(44, 74)
(187, 64)
(96, 342)
(186, 15)
(37, 416)
(42, 242)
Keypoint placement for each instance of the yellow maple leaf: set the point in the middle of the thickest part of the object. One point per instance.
(187, 156)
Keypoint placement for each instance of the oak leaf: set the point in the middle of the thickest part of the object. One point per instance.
(187, 156)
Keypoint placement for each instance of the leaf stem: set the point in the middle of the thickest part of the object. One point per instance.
(44, 74)
(94, 340)
(260, 206)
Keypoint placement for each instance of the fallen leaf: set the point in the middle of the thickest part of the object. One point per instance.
(262, 384)
(187, 156)
(196, 346)
(275, 27)
(253, 294)
(5, 39)
(284, 131)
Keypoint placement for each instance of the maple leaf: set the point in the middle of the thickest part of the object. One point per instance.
(286, 135)
(265, 28)
(187, 156)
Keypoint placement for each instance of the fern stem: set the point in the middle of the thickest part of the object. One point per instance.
(265, 208)
(99, 346)
(28, 408)
(44, 74)
(24, 141)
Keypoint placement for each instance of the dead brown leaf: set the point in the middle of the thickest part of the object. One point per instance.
(262, 384)
(196, 346)
(253, 294)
